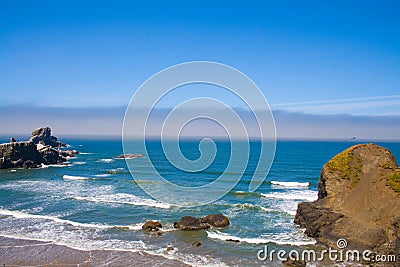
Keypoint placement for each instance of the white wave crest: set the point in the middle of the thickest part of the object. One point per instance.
(102, 175)
(307, 195)
(215, 234)
(105, 160)
(121, 198)
(44, 166)
(79, 162)
(24, 215)
(290, 184)
(71, 177)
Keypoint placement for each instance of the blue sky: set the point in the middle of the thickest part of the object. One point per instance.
(96, 53)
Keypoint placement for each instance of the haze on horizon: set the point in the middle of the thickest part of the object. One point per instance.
(328, 69)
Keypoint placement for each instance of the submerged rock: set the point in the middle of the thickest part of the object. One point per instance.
(192, 223)
(196, 244)
(129, 156)
(358, 200)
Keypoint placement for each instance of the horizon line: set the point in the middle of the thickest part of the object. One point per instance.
(104, 137)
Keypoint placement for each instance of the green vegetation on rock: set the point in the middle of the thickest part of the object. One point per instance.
(341, 163)
(394, 181)
(346, 165)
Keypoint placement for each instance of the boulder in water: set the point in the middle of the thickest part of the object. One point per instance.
(192, 223)
(151, 226)
(217, 220)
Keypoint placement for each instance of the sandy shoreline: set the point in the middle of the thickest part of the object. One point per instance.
(23, 252)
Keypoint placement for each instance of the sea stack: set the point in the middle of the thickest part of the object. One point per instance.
(358, 200)
(42, 148)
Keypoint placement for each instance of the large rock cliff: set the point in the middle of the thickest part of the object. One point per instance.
(358, 199)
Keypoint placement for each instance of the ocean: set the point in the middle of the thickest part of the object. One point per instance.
(94, 203)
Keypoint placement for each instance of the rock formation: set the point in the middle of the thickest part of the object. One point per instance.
(19, 155)
(151, 226)
(192, 223)
(40, 149)
(43, 136)
(358, 200)
(196, 244)
(217, 220)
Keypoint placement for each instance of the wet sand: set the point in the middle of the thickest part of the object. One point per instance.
(21, 252)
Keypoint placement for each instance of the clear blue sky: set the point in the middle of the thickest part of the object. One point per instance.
(96, 53)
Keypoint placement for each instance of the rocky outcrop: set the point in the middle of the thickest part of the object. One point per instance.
(189, 223)
(217, 220)
(151, 226)
(358, 200)
(19, 155)
(42, 148)
(43, 136)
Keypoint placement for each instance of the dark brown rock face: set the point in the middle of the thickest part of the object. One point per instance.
(192, 223)
(358, 199)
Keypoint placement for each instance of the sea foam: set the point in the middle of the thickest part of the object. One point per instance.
(215, 234)
(128, 199)
(71, 177)
(293, 195)
(24, 215)
(105, 160)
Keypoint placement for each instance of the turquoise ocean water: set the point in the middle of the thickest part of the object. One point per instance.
(94, 203)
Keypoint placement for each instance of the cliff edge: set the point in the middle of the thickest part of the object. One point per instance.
(358, 199)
